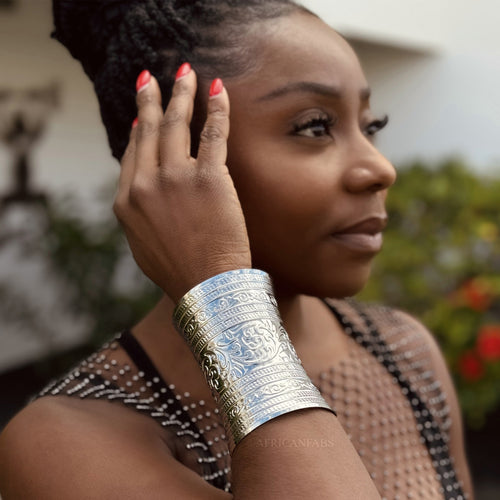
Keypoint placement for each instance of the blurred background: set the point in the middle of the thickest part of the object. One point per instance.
(67, 280)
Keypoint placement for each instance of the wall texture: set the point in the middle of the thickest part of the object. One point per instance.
(435, 69)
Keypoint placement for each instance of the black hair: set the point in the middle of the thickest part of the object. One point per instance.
(116, 39)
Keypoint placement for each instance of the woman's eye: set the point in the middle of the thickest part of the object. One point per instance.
(317, 127)
(375, 126)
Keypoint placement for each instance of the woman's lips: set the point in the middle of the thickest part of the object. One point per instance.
(361, 242)
(364, 236)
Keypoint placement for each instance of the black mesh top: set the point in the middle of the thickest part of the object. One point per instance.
(385, 394)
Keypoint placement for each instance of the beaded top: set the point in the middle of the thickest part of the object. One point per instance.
(384, 392)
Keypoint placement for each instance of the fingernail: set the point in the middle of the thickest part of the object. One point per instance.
(143, 80)
(183, 71)
(216, 87)
(135, 123)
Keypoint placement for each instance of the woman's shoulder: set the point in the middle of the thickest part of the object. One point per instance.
(439, 390)
(95, 421)
(403, 332)
(59, 413)
(118, 378)
(73, 413)
(62, 447)
(394, 326)
(52, 422)
(110, 414)
(421, 362)
(396, 336)
(391, 323)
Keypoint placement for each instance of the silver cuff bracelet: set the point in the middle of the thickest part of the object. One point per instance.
(232, 324)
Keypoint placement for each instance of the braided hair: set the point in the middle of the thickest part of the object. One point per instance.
(116, 39)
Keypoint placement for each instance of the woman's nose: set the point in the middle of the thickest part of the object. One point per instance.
(368, 170)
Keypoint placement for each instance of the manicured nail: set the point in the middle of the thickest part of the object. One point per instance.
(216, 88)
(183, 71)
(143, 80)
(135, 123)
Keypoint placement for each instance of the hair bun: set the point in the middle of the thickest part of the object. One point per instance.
(85, 28)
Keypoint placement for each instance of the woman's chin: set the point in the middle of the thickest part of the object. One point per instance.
(334, 286)
(349, 290)
(343, 283)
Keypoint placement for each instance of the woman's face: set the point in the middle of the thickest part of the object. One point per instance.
(311, 183)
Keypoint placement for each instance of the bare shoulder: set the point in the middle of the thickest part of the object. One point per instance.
(437, 359)
(416, 334)
(424, 335)
(391, 318)
(59, 447)
(442, 375)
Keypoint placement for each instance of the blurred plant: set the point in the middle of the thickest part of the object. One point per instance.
(441, 262)
(93, 259)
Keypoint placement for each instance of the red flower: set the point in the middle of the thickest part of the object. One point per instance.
(477, 294)
(470, 366)
(488, 342)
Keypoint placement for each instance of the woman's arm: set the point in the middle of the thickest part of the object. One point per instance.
(82, 450)
(184, 224)
(63, 448)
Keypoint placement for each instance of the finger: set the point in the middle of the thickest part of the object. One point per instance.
(127, 161)
(212, 152)
(175, 138)
(127, 167)
(149, 115)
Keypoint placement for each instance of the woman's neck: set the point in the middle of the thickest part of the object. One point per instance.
(158, 322)
(313, 330)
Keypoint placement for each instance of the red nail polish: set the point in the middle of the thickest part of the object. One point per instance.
(183, 71)
(216, 87)
(143, 80)
(135, 123)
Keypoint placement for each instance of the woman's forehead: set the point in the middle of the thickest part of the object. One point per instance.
(302, 48)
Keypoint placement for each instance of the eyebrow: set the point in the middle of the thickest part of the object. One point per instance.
(311, 88)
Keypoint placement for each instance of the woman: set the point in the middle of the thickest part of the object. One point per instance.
(295, 189)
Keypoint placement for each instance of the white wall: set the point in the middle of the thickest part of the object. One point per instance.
(442, 96)
(414, 24)
(74, 153)
(439, 106)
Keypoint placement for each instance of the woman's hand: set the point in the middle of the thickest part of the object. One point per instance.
(181, 215)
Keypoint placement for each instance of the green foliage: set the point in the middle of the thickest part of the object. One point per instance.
(441, 262)
(90, 257)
